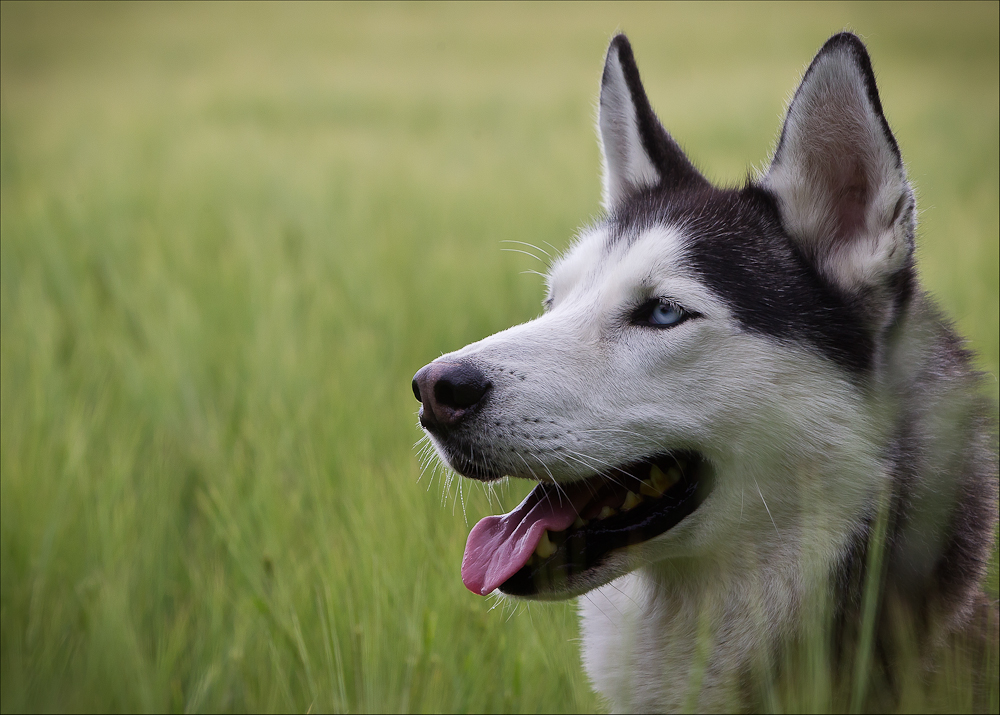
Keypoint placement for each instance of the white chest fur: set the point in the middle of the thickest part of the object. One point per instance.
(671, 642)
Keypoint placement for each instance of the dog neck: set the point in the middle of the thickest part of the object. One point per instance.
(684, 635)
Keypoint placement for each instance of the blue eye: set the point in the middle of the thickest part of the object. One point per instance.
(659, 313)
(666, 314)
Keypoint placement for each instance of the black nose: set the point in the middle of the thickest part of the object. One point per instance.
(448, 391)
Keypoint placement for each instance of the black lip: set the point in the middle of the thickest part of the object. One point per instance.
(582, 549)
(467, 467)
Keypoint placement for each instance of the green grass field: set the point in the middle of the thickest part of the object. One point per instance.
(230, 236)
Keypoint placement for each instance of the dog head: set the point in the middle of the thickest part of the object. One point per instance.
(702, 371)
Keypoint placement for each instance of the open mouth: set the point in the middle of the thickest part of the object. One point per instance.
(562, 531)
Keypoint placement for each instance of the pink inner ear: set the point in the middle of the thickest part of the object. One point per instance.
(836, 158)
(836, 150)
(851, 207)
(846, 184)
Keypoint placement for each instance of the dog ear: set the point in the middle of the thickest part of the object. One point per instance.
(637, 151)
(838, 175)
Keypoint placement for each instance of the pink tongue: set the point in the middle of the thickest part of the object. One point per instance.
(499, 546)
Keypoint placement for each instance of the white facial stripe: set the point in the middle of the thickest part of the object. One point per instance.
(612, 276)
(572, 269)
(656, 261)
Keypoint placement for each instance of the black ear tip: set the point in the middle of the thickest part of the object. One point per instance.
(618, 41)
(621, 45)
(845, 41)
(618, 47)
(622, 49)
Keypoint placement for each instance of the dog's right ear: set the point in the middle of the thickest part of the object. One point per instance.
(636, 149)
(837, 173)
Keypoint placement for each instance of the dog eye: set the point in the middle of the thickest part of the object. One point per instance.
(661, 314)
(666, 314)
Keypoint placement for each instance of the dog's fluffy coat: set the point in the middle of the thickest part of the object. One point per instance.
(809, 370)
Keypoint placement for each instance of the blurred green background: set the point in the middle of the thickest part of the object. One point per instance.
(230, 235)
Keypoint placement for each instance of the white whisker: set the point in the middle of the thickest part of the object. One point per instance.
(518, 250)
(529, 245)
(768, 510)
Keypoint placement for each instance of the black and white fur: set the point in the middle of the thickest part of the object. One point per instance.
(814, 375)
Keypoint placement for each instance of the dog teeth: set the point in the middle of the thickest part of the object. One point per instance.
(545, 546)
(606, 511)
(579, 523)
(658, 482)
(655, 485)
(632, 500)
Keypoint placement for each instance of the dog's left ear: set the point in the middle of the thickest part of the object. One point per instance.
(838, 175)
(637, 151)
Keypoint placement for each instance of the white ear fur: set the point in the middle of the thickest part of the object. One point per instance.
(837, 173)
(627, 166)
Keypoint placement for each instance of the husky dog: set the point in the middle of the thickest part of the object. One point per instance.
(739, 406)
